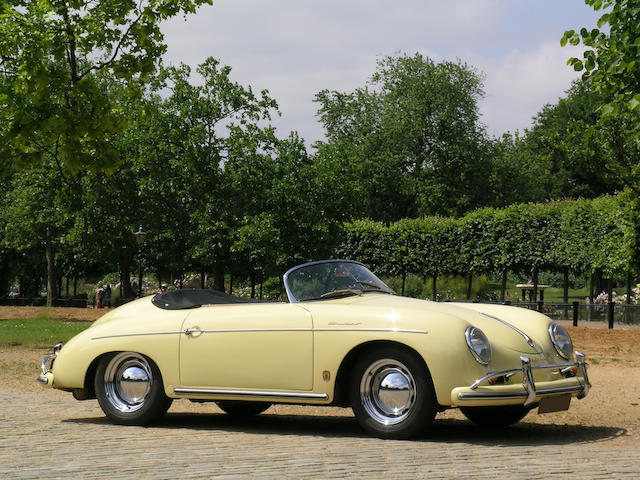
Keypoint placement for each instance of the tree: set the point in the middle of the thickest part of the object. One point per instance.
(37, 217)
(411, 137)
(612, 69)
(564, 154)
(52, 55)
(205, 130)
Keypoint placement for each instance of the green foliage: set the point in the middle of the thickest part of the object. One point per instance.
(566, 149)
(410, 141)
(611, 66)
(584, 235)
(449, 287)
(55, 56)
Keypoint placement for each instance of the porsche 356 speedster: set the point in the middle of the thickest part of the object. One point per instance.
(343, 339)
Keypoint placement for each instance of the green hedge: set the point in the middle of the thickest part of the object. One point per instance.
(582, 235)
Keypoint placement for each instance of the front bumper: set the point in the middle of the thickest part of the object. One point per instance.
(529, 392)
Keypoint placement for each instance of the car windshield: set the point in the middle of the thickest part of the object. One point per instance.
(331, 279)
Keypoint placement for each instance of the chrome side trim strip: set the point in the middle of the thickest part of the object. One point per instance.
(144, 334)
(248, 393)
(258, 330)
(392, 330)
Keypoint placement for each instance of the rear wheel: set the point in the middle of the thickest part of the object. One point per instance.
(495, 416)
(243, 409)
(391, 393)
(129, 389)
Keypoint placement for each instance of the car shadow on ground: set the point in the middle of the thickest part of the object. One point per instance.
(441, 431)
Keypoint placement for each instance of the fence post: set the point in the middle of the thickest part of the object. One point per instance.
(576, 305)
(610, 314)
(540, 305)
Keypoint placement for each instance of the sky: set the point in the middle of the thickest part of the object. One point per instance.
(295, 48)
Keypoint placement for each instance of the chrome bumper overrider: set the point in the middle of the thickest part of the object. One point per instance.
(47, 377)
(531, 393)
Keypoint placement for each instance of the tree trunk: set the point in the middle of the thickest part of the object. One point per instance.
(565, 296)
(535, 286)
(469, 286)
(503, 287)
(230, 283)
(435, 288)
(218, 277)
(51, 274)
(124, 264)
(253, 285)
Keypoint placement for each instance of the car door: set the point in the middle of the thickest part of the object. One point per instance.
(247, 346)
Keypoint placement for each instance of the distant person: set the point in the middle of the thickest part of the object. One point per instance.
(107, 296)
(99, 295)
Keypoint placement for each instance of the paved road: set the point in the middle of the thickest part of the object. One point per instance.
(50, 435)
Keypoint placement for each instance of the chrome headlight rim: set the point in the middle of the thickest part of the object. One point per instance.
(564, 349)
(476, 338)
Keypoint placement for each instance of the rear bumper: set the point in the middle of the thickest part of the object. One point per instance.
(528, 393)
(46, 378)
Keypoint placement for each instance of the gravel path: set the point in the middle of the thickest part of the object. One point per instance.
(49, 435)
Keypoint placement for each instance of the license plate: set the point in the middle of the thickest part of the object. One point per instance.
(555, 403)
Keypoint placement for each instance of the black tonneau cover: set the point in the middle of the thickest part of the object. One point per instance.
(195, 297)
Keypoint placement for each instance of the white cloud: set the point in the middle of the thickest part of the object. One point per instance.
(295, 48)
(520, 83)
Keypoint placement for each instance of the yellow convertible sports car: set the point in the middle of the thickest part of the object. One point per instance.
(343, 339)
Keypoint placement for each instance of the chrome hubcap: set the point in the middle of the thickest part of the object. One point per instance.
(127, 381)
(387, 391)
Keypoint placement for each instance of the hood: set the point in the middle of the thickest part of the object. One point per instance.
(515, 328)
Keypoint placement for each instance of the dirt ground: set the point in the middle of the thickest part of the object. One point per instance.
(613, 357)
(67, 314)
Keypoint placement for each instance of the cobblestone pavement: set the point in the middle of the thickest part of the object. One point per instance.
(50, 435)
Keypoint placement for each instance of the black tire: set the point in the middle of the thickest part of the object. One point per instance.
(405, 407)
(495, 416)
(129, 389)
(242, 409)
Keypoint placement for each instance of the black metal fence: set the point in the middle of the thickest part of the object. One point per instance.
(78, 302)
(611, 313)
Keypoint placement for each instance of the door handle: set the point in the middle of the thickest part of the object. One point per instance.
(192, 332)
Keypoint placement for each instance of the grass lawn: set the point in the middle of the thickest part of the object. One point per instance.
(552, 294)
(39, 332)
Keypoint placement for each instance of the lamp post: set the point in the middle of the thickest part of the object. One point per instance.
(141, 236)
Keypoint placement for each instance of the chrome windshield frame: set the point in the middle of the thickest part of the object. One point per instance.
(285, 278)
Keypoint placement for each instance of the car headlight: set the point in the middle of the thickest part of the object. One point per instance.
(478, 344)
(561, 340)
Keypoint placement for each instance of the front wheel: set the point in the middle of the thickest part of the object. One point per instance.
(495, 416)
(129, 389)
(391, 393)
(242, 409)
